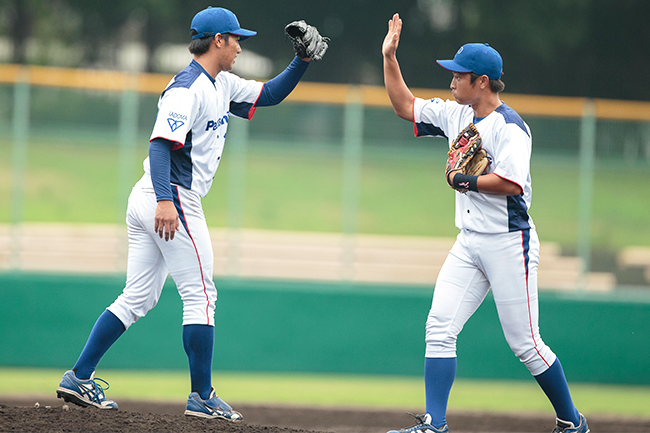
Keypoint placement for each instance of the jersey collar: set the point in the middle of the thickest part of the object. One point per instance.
(198, 66)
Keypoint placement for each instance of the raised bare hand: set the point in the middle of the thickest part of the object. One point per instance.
(391, 41)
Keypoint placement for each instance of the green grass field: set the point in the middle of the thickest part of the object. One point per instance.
(326, 390)
(300, 187)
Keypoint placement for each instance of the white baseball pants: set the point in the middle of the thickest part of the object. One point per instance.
(188, 258)
(505, 262)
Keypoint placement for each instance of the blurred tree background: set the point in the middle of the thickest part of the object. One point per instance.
(592, 48)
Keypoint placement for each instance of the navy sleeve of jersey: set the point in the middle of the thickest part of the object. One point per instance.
(159, 163)
(278, 88)
(428, 130)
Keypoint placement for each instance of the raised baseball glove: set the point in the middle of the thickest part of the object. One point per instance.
(466, 155)
(307, 42)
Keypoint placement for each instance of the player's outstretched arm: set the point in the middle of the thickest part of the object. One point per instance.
(277, 89)
(308, 45)
(400, 96)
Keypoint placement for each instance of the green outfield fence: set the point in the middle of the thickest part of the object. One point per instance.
(54, 114)
(312, 327)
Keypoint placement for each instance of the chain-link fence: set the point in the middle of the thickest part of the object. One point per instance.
(331, 177)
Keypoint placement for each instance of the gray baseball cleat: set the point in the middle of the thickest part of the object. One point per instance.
(423, 426)
(214, 407)
(568, 427)
(84, 392)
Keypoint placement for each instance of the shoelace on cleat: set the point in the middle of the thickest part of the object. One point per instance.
(420, 421)
(419, 418)
(97, 387)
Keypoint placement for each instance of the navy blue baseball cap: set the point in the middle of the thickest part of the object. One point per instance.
(211, 21)
(481, 59)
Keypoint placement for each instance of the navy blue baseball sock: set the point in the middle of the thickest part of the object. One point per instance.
(553, 383)
(198, 341)
(439, 375)
(106, 331)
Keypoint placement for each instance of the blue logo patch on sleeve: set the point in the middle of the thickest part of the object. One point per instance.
(174, 124)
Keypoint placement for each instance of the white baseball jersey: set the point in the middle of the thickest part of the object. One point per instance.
(193, 112)
(507, 140)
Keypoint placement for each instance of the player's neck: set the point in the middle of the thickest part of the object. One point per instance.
(209, 64)
(486, 105)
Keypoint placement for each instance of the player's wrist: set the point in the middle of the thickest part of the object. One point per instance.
(450, 178)
(462, 181)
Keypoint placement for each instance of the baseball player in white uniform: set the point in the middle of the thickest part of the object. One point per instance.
(497, 247)
(168, 234)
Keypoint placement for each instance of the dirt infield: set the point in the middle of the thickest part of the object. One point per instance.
(52, 415)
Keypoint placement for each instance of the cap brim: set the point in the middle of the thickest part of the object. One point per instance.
(243, 34)
(450, 65)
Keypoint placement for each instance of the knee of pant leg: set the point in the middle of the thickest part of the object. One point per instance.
(538, 359)
(199, 303)
(440, 338)
(198, 311)
(135, 301)
(126, 315)
(440, 350)
(440, 344)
